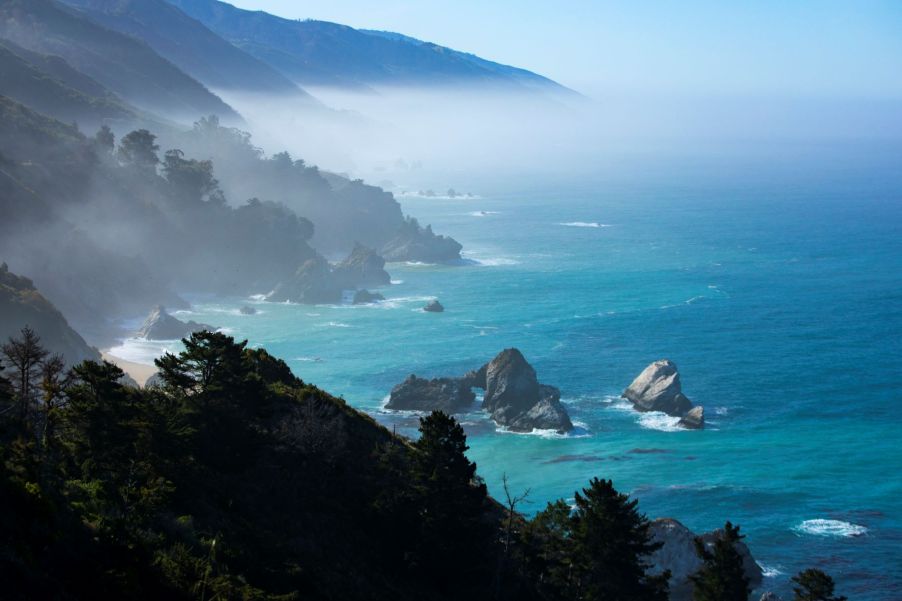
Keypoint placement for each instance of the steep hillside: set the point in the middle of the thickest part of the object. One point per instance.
(188, 44)
(26, 82)
(123, 64)
(323, 53)
(22, 305)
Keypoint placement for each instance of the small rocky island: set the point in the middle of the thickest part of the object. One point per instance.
(658, 388)
(160, 325)
(434, 306)
(513, 395)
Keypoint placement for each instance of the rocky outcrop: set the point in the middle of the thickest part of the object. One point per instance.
(311, 284)
(22, 305)
(154, 381)
(513, 395)
(247, 310)
(318, 282)
(160, 325)
(515, 398)
(658, 388)
(415, 243)
(679, 556)
(363, 267)
(434, 306)
(769, 596)
(365, 297)
(450, 395)
(694, 419)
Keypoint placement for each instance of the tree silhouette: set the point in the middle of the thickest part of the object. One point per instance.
(814, 585)
(722, 577)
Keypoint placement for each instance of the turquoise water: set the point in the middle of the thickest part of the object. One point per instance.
(778, 298)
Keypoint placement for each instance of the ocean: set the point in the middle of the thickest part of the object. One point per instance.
(776, 290)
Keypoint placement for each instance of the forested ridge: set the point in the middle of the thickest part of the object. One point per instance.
(233, 479)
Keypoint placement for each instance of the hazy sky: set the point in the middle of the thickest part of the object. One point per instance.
(845, 48)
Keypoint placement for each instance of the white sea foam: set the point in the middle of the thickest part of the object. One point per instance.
(334, 324)
(835, 528)
(548, 434)
(396, 282)
(656, 420)
(584, 224)
(482, 213)
(769, 571)
(309, 359)
(496, 262)
(258, 297)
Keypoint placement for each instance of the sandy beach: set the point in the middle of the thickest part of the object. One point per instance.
(138, 371)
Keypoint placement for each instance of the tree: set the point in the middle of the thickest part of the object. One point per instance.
(611, 542)
(722, 577)
(814, 585)
(547, 552)
(450, 499)
(192, 180)
(54, 381)
(139, 149)
(25, 354)
(105, 140)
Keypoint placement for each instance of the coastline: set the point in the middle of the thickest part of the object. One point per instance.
(138, 371)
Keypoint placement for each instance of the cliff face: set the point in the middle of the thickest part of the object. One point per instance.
(21, 304)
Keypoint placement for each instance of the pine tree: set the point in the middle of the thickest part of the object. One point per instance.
(547, 553)
(814, 585)
(611, 540)
(450, 498)
(722, 577)
(25, 355)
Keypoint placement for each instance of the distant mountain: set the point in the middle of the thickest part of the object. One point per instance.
(51, 86)
(123, 64)
(188, 44)
(323, 53)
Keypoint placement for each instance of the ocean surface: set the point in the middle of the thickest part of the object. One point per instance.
(777, 293)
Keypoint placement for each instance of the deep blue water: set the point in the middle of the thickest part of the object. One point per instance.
(779, 298)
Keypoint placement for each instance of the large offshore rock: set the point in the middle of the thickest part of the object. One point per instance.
(450, 395)
(160, 325)
(434, 306)
(658, 388)
(679, 556)
(515, 398)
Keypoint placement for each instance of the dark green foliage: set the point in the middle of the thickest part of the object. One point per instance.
(139, 150)
(722, 578)
(192, 180)
(814, 585)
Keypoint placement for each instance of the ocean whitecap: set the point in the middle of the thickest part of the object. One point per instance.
(835, 528)
(593, 224)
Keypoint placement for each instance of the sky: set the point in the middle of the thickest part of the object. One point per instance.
(768, 48)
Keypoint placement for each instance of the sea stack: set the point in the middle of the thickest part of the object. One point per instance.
(658, 388)
(160, 325)
(434, 306)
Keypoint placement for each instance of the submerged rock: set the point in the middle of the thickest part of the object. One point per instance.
(658, 388)
(160, 325)
(247, 310)
(694, 419)
(365, 297)
(450, 395)
(434, 306)
(679, 556)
